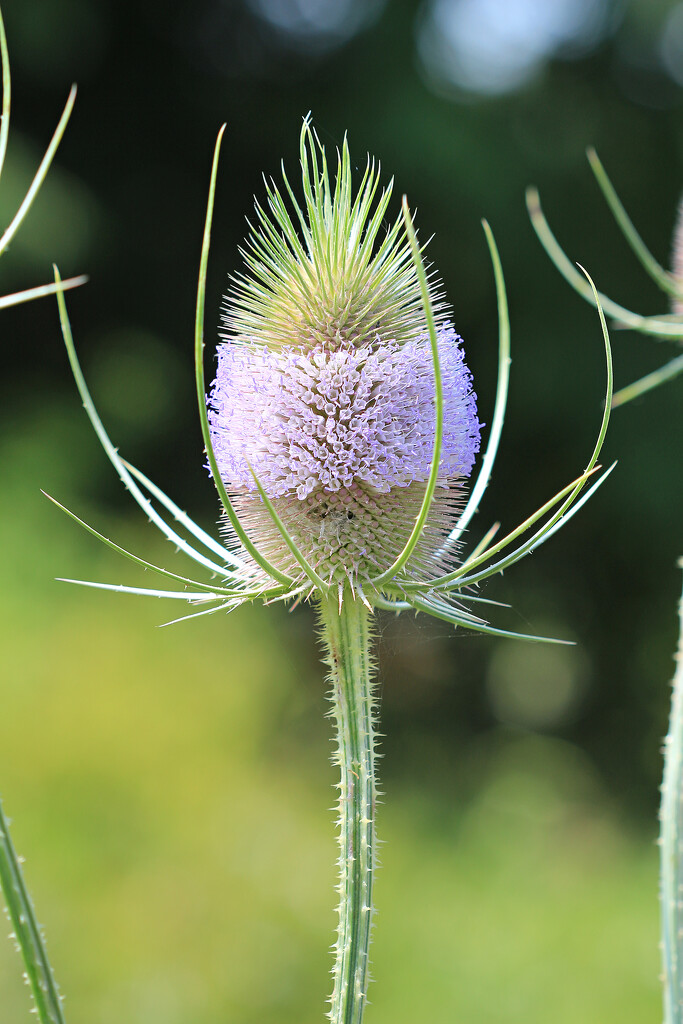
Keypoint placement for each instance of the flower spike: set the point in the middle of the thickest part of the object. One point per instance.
(366, 420)
(347, 472)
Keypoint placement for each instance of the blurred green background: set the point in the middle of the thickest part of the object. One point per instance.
(171, 788)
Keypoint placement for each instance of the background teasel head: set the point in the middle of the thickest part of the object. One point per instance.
(677, 262)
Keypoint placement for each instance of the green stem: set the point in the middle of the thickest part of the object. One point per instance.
(27, 932)
(671, 848)
(346, 635)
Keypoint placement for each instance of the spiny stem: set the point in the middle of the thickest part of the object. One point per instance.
(27, 932)
(671, 848)
(346, 635)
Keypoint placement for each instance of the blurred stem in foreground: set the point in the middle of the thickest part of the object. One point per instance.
(671, 847)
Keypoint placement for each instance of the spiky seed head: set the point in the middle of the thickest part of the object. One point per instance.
(329, 273)
(325, 388)
(677, 301)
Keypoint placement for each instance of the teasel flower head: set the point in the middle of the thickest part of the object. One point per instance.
(341, 428)
(328, 327)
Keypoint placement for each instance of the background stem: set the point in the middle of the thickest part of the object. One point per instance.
(27, 932)
(346, 636)
(671, 843)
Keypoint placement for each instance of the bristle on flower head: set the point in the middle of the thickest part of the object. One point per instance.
(325, 388)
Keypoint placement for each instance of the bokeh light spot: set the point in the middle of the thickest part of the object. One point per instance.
(495, 46)
(317, 24)
(671, 44)
(137, 379)
(536, 686)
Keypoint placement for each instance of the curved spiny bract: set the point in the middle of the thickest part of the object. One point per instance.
(663, 327)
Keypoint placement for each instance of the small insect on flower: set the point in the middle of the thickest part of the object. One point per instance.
(342, 424)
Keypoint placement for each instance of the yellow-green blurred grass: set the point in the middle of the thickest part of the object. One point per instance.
(171, 791)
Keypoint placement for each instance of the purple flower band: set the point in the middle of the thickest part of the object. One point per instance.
(319, 419)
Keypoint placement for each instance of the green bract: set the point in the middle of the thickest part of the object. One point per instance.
(667, 327)
(34, 188)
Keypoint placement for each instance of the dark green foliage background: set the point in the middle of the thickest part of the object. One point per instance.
(125, 204)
